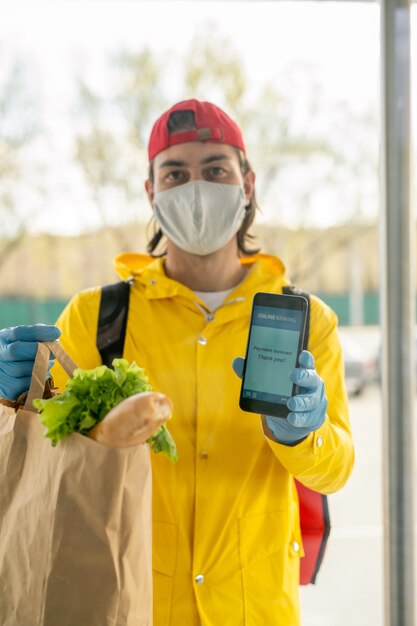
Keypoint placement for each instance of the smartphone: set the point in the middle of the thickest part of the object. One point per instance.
(276, 335)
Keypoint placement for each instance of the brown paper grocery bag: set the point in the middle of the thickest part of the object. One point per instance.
(75, 523)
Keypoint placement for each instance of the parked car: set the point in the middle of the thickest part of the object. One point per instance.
(379, 358)
(360, 365)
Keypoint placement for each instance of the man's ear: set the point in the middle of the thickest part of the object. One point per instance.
(249, 185)
(149, 190)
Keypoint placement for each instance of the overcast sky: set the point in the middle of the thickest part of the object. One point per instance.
(341, 38)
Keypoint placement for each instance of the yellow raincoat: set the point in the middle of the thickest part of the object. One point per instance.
(226, 536)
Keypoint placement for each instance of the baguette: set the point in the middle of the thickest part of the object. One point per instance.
(133, 420)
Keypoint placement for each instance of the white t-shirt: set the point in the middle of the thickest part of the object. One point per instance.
(213, 299)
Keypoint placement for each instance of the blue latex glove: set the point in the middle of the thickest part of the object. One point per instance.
(18, 346)
(307, 408)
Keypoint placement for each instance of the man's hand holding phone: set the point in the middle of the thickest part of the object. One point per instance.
(307, 409)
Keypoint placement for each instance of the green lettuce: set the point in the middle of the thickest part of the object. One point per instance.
(90, 395)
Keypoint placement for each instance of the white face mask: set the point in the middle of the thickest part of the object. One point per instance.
(200, 217)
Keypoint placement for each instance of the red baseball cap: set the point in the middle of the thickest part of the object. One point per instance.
(211, 124)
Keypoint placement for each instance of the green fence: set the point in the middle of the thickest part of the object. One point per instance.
(15, 311)
(339, 302)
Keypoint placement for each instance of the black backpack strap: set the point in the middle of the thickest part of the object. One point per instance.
(292, 290)
(112, 320)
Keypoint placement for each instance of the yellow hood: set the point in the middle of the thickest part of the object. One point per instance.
(129, 264)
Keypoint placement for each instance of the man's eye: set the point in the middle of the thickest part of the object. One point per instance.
(216, 171)
(174, 176)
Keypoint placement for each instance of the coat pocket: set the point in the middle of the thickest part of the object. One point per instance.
(263, 535)
(164, 558)
(165, 538)
(269, 551)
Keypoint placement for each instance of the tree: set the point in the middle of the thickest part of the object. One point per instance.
(213, 70)
(19, 127)
(111, 131)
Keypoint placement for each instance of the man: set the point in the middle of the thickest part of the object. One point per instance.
(226, 529)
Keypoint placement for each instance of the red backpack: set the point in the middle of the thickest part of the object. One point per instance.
(314, 511)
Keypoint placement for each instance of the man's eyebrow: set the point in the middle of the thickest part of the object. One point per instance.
(180, 163)
(173, 163)
(216, 157)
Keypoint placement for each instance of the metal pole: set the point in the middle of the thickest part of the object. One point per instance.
(397, 233)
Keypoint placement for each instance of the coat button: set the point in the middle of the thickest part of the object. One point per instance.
(319, 442)
(210, 317)
(153, 281)
(295, 546)
(199, 579)
(203, 454)
(202, 341)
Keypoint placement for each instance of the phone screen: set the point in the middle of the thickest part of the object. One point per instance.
(274, 345)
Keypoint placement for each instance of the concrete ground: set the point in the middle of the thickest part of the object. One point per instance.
(350, 585)
(349, 589)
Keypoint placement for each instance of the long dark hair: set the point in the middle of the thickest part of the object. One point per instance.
(184, 120)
